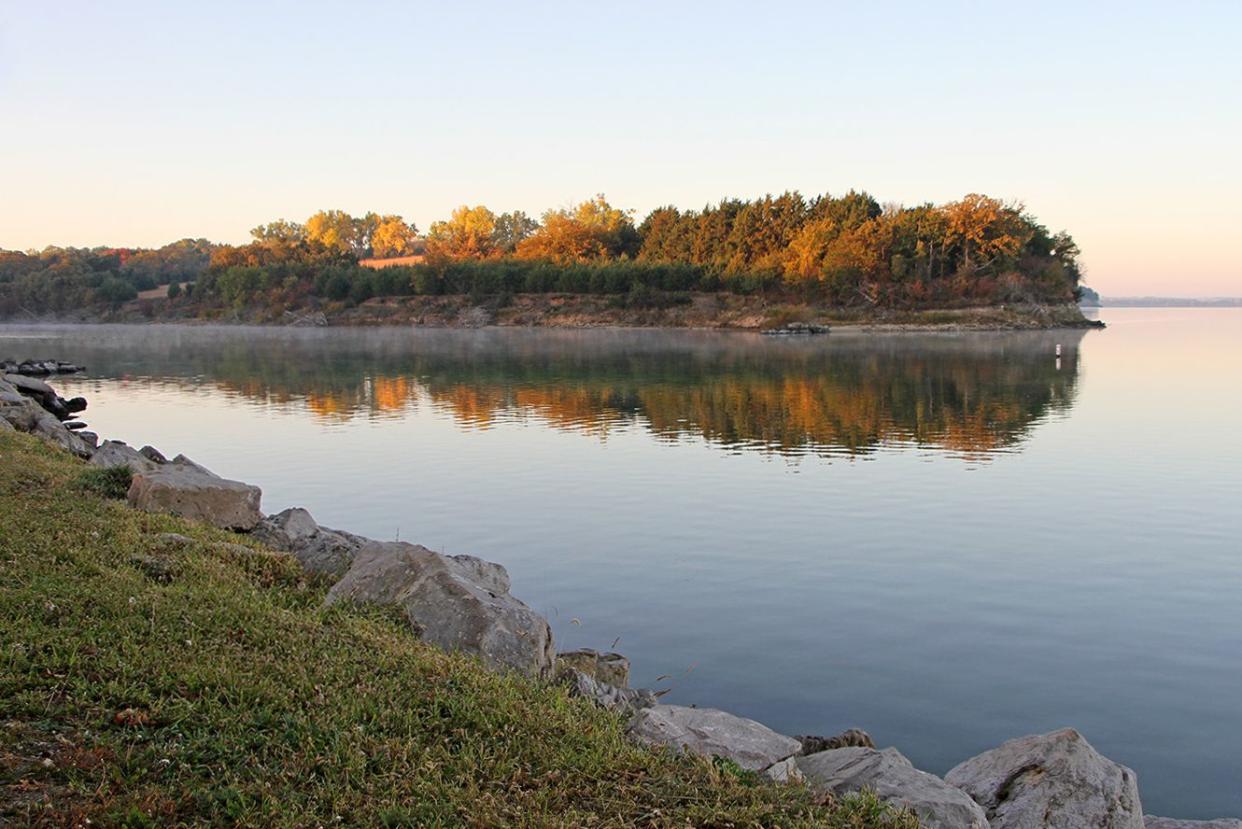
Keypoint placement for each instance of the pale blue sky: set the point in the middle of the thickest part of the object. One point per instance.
(140, 123)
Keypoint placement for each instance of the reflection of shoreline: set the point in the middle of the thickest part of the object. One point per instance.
(971, 394)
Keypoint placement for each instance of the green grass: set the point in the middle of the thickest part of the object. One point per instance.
(145, 682)
(107, 482)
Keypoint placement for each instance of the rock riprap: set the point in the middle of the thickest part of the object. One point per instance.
(459, 603)
(30, 405)
(1054, 780)
(895, 780)
(321, 550)
(182, 487)
(712, 733)
(38, 367)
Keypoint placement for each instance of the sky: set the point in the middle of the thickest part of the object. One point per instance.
(131, 123)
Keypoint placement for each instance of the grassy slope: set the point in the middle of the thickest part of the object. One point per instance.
(148, 684)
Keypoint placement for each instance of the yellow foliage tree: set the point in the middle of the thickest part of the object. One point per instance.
(985, 228)
(804, 258)
(469, 234)
(593, 229)
(393, 237)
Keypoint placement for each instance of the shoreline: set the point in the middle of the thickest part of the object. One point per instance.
(708, 312)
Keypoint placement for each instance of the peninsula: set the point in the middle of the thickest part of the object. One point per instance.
(759, 264)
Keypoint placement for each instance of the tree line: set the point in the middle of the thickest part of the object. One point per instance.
(845, 250)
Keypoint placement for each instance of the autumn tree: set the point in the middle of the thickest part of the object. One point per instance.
(591, 230)
(280, 230)
(511, 228)
(470, 233)
(985, 229)
(339, 231)
(393, 237)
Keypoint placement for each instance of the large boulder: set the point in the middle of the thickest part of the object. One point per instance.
(712, 733)
(51, 429)
(184, 488)
(460, 603)
(29, 385)
(321, 550)
(1153, 822)
(892, 777)
(41, 393)
(1054, 780)
(9, 395)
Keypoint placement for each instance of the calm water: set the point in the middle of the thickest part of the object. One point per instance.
(947, 540)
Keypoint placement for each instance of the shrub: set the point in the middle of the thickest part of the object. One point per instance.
(109, 481)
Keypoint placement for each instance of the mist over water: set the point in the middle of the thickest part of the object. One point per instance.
(948, 540)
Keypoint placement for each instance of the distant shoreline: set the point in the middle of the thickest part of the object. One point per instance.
(1168, 302)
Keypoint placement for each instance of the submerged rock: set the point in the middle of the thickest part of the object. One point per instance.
(1054, 780)
(712, 733)
(891, 776)
(184, 488)
(459, 603)
(39, 367)
(320, 549)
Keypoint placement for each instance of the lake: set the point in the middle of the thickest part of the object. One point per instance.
(945, 539)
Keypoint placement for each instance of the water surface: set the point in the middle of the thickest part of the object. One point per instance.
(948, 540)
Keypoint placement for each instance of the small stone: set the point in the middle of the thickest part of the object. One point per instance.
(786, 771)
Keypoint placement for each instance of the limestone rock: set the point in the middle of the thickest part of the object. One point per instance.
(607, 696)
(459, 603)
(319, 549)
(184, 488)
(711, 732)
(1054, 780)
(29, 385)
(118, 453)
(49, 427)
(891, 776)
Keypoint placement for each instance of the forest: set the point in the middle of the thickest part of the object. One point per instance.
(844, 250)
